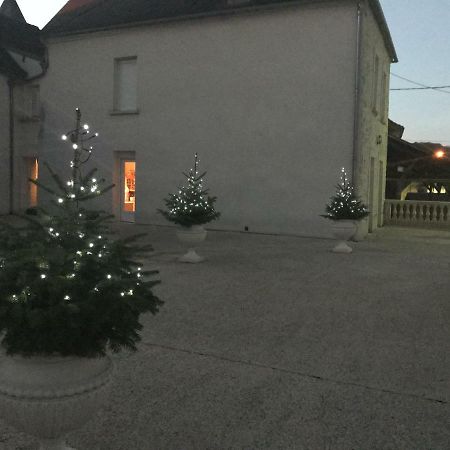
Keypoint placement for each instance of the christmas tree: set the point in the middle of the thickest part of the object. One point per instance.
(344, 204)
(66, 286)
(191, 206)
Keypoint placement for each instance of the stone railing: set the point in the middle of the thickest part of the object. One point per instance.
(417, 213)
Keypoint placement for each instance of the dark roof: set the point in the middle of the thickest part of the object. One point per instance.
(17, 36)
(21, 38)
(79, 16)
(11, 9)
(9, 67)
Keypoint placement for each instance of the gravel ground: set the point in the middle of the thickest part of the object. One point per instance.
(274, 342)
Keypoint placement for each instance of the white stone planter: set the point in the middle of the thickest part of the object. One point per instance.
(191, 236)
(343, 231)
(47, 397)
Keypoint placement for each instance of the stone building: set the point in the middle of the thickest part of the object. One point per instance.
(275, 97)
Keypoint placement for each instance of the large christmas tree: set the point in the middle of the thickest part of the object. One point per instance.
(191, 206)
(66, 286)
(344, 205)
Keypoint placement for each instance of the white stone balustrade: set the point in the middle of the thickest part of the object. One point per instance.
(417, 213)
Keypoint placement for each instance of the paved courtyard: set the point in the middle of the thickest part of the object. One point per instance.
(277, 343)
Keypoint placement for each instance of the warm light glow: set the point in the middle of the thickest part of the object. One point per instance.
(129, 169)
(439, 154)
(33, 172)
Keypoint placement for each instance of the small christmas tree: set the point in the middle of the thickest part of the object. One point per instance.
(191, 206)
(344, 204)
(66, 287)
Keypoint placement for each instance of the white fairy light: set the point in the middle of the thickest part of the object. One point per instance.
(75, 146)
(122, 294)
(64, 137)
(86, 126)
(108, 276)
(60, 200)
(91, 244)
(66, 297)
(43, 276)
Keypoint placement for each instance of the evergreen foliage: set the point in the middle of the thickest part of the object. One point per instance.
(344, 204)
(66, 286)
(191, 206)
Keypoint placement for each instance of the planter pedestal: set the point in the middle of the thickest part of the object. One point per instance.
(191, 236)
(47, 397)
(343, 230)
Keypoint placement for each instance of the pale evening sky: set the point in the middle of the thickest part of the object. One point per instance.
(421, 33)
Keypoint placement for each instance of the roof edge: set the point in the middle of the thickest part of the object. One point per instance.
(375, 4)
(381, 19)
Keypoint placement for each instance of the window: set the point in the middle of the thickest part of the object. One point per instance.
(375, 81)
(29, 105)
(125, 85)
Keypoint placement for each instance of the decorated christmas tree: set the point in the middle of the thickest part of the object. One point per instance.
(344, 204)
(191, 206)
(67, 287)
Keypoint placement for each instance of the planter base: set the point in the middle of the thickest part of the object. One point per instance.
(191, 257)
(342, 247)
(54, 444)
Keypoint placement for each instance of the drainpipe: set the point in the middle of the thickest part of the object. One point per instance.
(11, 146)
(356, 141)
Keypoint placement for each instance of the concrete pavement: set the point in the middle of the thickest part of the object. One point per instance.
(277, 343)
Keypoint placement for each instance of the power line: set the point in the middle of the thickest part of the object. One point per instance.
(422, 86)
(419, 88)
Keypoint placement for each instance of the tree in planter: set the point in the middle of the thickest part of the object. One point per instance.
(191, 207)
(344, 205)
(68, 293)
(344, 210)
(65, 287)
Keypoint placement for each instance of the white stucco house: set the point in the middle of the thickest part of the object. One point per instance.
(275, 96)
(22, 60)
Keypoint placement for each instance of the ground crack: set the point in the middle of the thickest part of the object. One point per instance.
(295, 372)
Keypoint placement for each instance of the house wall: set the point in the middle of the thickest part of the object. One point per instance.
(265, 98)
(4, 145)
(371, 156)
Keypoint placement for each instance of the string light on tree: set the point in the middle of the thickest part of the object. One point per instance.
(192, 205)
(345, 205)
(68, 268)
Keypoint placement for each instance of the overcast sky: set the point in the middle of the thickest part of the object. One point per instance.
(421, 34)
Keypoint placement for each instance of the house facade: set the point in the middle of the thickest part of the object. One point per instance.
(22, 63)
(275, 97)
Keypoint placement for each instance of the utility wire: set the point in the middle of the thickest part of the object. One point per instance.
(422, 86)
(419, 88)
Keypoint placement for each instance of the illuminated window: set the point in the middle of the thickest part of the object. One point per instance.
(129, 198)
(32, 174)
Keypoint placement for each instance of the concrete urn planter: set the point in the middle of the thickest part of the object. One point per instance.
(191, 236)
(343, 231)
(47, 397)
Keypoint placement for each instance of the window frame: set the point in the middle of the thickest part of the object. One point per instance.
(116, 86)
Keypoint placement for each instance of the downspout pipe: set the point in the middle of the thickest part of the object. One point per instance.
(357, 105)
(11, 146)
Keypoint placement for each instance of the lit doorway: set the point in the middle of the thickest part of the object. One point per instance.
(127, 190)
(31, 190)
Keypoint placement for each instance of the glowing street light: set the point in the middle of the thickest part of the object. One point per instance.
(439, 154)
